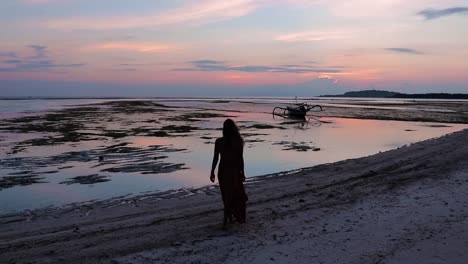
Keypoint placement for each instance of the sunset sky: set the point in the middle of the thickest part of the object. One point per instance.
(231, 48)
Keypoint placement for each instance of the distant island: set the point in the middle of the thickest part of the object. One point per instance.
(389, 94)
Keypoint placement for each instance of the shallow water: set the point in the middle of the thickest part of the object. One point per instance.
(286, 145)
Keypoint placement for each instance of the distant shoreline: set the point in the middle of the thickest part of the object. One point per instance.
(463, 97)
(396, 95)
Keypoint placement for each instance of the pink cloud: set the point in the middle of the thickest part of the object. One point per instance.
(128, 46)
(202, 12)
(317, 35)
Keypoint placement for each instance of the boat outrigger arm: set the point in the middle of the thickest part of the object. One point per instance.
(298, 110)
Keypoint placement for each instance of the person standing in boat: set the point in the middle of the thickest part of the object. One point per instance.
(230, 172)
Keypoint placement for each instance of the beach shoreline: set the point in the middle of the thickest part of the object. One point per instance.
(365, 210)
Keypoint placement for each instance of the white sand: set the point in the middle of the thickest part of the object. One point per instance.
(402, 206)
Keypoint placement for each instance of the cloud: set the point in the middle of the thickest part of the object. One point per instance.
(404, 50)
(8, 54)
(318, 35)
(40, 51)
(39, 66)
(133, 64)
(209, 11)
(138, 47)
(429, 14)
(206, 62)
(37, 63)
(213, 65)
(126, 70)
(11, 61)
(199, 12)
(291, 65)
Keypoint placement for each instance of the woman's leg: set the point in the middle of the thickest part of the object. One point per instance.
(225, 218)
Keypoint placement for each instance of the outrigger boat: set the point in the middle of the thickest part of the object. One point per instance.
(297, 110)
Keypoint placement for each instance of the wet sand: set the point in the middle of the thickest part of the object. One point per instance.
(401, 206)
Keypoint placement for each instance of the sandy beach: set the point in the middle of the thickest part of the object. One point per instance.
(406, 205)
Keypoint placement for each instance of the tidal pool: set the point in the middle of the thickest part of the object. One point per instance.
(101, 149)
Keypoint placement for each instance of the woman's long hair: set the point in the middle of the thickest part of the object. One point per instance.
(231, 133)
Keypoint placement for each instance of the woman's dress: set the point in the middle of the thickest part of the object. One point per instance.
(231, 178)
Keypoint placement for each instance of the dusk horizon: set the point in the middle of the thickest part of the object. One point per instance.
(239, 48)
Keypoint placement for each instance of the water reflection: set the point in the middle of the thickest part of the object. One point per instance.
(272, 144)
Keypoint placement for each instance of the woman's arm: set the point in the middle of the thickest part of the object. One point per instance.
(242, 164)
(215, 161)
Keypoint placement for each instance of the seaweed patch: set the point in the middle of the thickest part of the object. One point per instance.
(301, 146)
(85, 123)
(148, 168)
(195, 117)
(137, 107)
(179, 129)
(88, 179)
(263, 126)
(115, 158)
(19, 180)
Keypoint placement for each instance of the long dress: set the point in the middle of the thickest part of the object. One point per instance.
(230, 178)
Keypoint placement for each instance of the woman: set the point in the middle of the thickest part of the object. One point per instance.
(231, 172)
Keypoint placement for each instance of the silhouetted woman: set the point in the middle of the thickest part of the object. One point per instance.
(230, 172)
